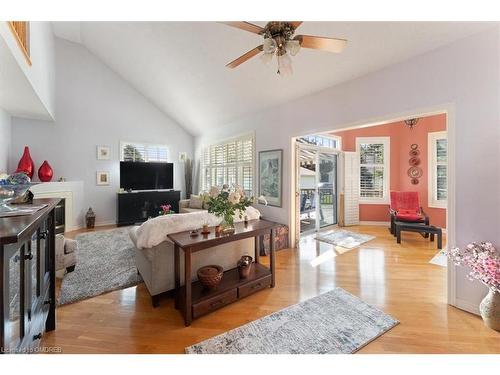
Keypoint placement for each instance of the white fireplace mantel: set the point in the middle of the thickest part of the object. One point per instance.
(72, 192)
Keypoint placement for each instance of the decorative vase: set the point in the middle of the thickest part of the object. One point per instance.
(90, 218)
(490, 310)
(227, 224)
(244, 266)
(45, 172)
(26, 164)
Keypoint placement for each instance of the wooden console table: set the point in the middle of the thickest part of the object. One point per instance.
(27, 278)
(193, 300)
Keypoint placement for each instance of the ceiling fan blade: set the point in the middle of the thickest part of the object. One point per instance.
(322, 43)
(247, 26)
(247, 56)
(296, 24)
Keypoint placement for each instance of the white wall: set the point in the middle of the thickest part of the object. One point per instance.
(41, 74)
(94, 106)
(463, 75)
(5, 139)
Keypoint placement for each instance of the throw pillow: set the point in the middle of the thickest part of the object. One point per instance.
(196, 201)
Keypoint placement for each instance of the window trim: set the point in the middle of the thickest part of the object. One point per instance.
(123, 143)
(252, 163)
(432, 164)
(386, 141)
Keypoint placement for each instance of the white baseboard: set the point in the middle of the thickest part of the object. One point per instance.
(377, 223)
(466, 306)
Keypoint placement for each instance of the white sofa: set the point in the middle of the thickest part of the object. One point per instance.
(184, 207)
(154, 255)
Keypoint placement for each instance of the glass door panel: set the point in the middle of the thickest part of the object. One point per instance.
(13, 322)
(327, 190)
(308, 190)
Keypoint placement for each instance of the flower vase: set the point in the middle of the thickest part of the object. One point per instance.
(26, 164)
(227, 224)
(490, 310)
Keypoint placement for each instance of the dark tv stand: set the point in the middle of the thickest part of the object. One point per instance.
(138, 206)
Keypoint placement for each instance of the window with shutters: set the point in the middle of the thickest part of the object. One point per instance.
(231, 162)
(145, 152)
(438, 169)
(374, 167)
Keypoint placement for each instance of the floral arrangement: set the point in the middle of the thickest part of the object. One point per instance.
(225, 202)
(483, 260)
(166, 209)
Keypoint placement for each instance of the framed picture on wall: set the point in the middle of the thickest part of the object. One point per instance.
(103, 152)
(102, 178)
(271, 176)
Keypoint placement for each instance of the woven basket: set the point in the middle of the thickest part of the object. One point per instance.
(210, 276)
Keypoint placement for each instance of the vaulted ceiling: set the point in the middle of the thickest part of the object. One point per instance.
(180, 66)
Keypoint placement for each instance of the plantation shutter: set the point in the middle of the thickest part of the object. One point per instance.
(372, 170)
(231, 163)
(351, 188)
(441, 169)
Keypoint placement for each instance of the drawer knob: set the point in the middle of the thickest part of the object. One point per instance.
(256, 286)
(37, 336)
(47, 302)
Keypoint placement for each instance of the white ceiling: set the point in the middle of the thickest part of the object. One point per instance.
(180, 66)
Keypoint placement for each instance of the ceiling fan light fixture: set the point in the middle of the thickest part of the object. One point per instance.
(285, 65)
(269, 46)
(266, 58)
(292, 47)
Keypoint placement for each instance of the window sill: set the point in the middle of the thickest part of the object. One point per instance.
(378, 201)
(438, 205)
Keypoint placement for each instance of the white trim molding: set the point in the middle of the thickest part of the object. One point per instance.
(386, 142)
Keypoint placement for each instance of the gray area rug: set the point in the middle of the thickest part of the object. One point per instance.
(335, 322)
(105, 262)
(344, 238)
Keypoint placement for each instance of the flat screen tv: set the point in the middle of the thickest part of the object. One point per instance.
(146, 176)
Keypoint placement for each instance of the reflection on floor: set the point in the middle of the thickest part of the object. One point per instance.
(397, 279)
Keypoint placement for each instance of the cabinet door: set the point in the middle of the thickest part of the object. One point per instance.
(14, 278)
(43, 264)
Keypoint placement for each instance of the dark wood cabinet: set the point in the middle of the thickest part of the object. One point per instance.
(27, 282)
(193, 299)
(137, 207)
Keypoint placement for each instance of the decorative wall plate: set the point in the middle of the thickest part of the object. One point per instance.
(415, 172)
(414, 161)
(414, 153)
(414, 181)
(414, 146)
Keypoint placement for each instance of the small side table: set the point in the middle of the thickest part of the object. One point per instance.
(401, 226)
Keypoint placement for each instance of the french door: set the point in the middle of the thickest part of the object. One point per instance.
(316, 188)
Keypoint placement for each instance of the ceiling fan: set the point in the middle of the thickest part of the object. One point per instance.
(279, 40)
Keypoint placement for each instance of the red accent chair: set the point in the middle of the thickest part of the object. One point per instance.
(405, 206)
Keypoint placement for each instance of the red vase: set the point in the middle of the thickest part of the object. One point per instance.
(26, 164)
(45, 172)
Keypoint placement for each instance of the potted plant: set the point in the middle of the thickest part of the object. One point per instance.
(225, 203)
(484, 262)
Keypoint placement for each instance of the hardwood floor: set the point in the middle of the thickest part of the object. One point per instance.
(395, 278)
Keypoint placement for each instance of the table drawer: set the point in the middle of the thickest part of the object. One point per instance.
(214, 303)
(254, 286)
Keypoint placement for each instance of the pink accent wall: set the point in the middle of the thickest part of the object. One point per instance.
(401, 139)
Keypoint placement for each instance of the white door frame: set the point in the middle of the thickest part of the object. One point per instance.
(449, 110)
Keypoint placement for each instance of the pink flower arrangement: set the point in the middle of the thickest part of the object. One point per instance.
(165, 209)
(483, 260)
